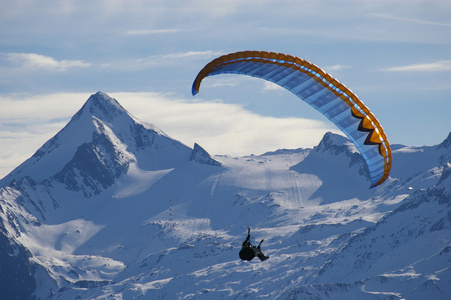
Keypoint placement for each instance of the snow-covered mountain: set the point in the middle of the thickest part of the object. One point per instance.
(111, 208)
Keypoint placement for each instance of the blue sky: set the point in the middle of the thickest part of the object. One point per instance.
(395, 55)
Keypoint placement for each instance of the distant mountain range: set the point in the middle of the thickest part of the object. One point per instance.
(112, 208)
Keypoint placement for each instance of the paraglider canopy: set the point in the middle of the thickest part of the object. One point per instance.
(321, 91)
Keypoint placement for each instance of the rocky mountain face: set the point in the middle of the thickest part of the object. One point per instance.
(114, 208)
(201, 156)
(17, 270)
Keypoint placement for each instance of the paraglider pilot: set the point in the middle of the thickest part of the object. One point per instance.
(248, 252)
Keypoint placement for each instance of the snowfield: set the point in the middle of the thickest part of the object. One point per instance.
(111, 208)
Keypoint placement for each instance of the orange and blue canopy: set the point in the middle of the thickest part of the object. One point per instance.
(317, 88)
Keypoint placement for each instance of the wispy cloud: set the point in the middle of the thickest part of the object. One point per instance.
(438, 66)
(190, 54)
(269, 86)
(27, 122)
(336, 68)
(222, 128)
(410, 20)
(152, 31)
(162, 60)
(35, 61)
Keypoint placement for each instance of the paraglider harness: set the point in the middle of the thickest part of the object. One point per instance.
(248, 252)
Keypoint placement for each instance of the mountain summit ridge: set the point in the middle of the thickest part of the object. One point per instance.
(100, 121)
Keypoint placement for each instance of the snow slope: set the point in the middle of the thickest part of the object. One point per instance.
(111, 208)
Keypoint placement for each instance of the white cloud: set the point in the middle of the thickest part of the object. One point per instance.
(429, 67)
(336, 68)
(410, 20)
(162, 60)
(20, 108)
(35, 61)
(190, 54)
(269, 86)
(222, 128)
(26, 123)
(151, 31)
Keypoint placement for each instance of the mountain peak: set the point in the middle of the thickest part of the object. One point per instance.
(333, 142)
(100, 99)
(101, 141)
(201, 156)
(446, 143)
(101, 106)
